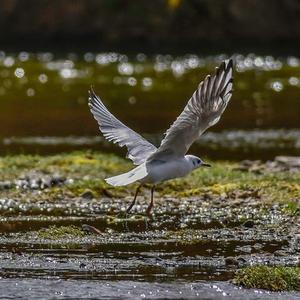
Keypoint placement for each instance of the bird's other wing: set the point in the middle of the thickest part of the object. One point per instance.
(115, 131)
(203, 110)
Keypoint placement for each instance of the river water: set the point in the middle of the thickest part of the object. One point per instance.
(43, 101)
(53, 288)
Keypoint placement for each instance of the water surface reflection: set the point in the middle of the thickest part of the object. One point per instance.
(45, 94)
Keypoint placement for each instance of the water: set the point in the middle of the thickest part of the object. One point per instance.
(70, 289)
(43, 101)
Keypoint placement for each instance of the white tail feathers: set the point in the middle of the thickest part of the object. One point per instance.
(136, 174)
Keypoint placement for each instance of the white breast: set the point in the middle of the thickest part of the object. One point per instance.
(161, 171)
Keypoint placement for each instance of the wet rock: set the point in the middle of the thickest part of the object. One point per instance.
(249, 224)
(257, 246)
(21, 184)
(241, 260)
(87, 194)
(82, 266)
(231, 261)
(5, 185)
(57, 179)
(244, 249)
(46, 182)
(289, 161)
(34, 183)
(90, 229)
(250, 165)
(37, 180)
(8, 204)
(281, 253)
(279, 164)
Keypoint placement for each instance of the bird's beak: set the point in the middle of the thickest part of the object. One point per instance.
(205, 165)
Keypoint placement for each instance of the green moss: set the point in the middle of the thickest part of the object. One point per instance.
(292, 208)
(54, 232)
(75, 164)
(88, 170)
(269, 278)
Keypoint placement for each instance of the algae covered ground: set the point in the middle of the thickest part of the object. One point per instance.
(60, 219)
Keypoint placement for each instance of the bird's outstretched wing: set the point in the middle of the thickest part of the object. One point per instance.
(203, 110)
(115, 131)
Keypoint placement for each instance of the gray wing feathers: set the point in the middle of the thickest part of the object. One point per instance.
(203, 110)
(115, 131)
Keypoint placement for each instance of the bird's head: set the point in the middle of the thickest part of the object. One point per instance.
(196, 162)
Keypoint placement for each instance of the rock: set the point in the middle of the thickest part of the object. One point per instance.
(279, 164)
(231, 261)
(38, 180)
(21, 183)
(57, 179)
(46, 182)
(87, 195)
(241, 260)
(34, 183)
(289, 161)
(244, 249)
(90, 229)
(82, 266)
(5, 185)
(281, 253)
(249, 224)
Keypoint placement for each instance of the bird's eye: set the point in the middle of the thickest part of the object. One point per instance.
(198, 161)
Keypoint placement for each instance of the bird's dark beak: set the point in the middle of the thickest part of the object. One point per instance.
(205, 165)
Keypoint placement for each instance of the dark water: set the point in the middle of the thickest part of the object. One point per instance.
(43, 101)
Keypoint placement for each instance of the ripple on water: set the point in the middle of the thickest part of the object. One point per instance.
(161, 81)
(62, 289)
(244, 144)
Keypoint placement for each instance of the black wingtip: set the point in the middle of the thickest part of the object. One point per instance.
(229, 63)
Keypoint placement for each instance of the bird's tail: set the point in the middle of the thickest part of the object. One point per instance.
(136, 174)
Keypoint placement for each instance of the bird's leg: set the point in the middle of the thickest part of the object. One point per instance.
(133, 201)
(148, 210)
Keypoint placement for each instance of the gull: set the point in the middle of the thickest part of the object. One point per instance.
(169, 160)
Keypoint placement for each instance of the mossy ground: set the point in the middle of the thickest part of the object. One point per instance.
(202, 216)
(54, 232)
(88, 170)
(269, 278)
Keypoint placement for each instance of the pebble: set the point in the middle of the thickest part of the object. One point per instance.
(87, 194)
(231, 261)
(249, 224)
(279, 164)
(5, 185)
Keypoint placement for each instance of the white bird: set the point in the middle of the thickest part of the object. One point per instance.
(169, 160)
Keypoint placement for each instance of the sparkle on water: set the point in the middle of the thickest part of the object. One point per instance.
(45, 95)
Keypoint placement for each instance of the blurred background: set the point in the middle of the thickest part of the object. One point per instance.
(145, 59)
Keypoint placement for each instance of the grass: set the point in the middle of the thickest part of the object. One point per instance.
(88, 169)
(269, 278)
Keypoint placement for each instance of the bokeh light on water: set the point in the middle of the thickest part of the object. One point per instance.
(45, 94)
